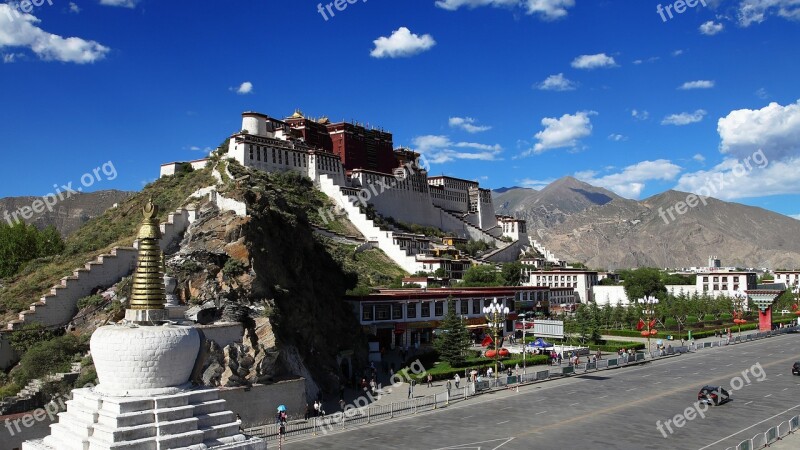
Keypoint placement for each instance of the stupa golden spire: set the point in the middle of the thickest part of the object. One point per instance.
(148, 280)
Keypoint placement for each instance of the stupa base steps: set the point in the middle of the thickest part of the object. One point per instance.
(195, 420)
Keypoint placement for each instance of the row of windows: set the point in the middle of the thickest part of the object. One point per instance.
(724, 279)
(551, 278)
(278, 156)
(394, 311)
(724, 287)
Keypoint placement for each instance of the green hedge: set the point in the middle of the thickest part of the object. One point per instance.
(443, 371)
(696, 334)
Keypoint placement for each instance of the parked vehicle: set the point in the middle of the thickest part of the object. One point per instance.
(713, 395)
(796, 368)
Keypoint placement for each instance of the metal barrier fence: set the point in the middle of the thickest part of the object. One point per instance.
(354, 416)
(762, 440)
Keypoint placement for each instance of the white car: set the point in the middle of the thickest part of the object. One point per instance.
(785, 311)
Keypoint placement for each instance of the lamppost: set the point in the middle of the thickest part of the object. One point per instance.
(524, 344)
(739, 302)
(649, 312)
(496, 315)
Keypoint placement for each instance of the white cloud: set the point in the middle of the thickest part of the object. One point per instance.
(762, 93)
(757, 11)
(73, 8)
(632, 180)
(699, 158)
(593, 61)
(467, 124)
(711, 28)
(775, 129)
(11, 57)
(549, 9)
(557, 83)
(545, 9)
(401, 43)
(795, 216)
(684, 118)
(121, 3)
(617, 137)
(439, 149)
(535, 184)
(699, 84)
(678, 52)
(732, 179)
(21, 30)
(244, 88)
(640, 115)
(565, 131)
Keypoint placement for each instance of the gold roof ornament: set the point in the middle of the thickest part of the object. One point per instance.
(297, 114)
(324, 120)
(148, 280)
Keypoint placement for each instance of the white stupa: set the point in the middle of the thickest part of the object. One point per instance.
(144, 400)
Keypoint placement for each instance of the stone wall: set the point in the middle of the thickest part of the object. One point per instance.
(38, 429)
(258, 404)
(222, 333)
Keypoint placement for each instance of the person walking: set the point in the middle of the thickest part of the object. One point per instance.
(308, 412)
(430, 380)
(457, 379)
(448, 389)
(410, 388)
(341, 404)
(317, 408)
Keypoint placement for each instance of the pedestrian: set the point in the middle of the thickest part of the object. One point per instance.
(308, 412)
(410, 389)
(448, 388)
(598, 355)
(372, 386)
(239, 419)
(509, 372)
(341, 404)
(341, 391)
(430, 380)
(457, 380)
(317, 408)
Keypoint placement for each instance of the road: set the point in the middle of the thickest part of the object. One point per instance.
(616, 409)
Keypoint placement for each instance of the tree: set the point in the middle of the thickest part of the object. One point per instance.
(453, 341)
(481, 275)
(607, 282)
(643, 282)
(676, 279)
(511, 273)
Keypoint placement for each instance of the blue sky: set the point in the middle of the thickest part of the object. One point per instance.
(506, 92)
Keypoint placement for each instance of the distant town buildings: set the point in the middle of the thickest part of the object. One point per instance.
(579, 280)
(409, 317)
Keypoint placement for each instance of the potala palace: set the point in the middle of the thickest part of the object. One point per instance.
(358, 166)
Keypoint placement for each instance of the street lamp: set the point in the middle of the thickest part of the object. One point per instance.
(649, 312)
(495, 317)
(739, 301)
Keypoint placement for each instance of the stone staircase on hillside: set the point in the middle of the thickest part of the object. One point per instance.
(484, 235)
(547, 254)
(29, 397)
(61, 304)
(383, 239)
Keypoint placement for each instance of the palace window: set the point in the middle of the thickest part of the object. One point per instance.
(382, 312)
(397, 311)
(476, 306)
(438, 309)
(411, 310)
(366, 313)
(426, 309)
(464, 304)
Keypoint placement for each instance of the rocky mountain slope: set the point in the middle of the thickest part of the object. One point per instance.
(67, 215)
(590, 225)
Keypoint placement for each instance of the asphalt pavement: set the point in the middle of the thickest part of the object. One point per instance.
(615, 409)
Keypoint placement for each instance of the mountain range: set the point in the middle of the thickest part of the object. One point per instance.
(584, 223)
(66, 215)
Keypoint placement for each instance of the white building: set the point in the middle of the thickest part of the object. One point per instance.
(788, 277)
(727, 283)
(513, 228)
(580, 280)
(173, 167)
(610, 295)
